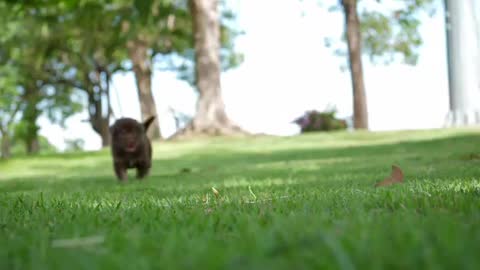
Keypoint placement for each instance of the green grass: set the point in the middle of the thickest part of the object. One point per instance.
(305, 201)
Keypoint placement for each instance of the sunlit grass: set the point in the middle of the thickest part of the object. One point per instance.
(305, 201)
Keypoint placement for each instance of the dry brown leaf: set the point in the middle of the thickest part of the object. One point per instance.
(395, 177)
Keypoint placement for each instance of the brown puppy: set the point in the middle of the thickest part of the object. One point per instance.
(131, 148)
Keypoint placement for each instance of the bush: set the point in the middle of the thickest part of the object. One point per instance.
(74, 145)
(18, 147)
(313, 121)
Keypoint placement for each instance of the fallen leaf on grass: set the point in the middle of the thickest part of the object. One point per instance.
(395, 177)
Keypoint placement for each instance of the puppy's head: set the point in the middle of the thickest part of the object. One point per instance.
(128, 134)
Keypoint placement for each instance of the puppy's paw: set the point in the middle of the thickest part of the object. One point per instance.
(122, 179)
(142, 172)
(120, 172)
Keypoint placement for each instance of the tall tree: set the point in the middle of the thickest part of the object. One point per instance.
(153, 28)
(27, 48)
(383, 36)
(78, 63)
(85, 65)
(28, 127)
(210, 117)
(138, 50)
(352, 25)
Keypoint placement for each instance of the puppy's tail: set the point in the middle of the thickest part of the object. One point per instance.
(147, 122)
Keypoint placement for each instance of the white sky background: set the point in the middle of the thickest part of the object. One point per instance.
(288, 70)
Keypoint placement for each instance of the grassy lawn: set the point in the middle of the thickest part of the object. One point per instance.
(305, 201)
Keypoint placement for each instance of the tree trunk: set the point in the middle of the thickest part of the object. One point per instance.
(97, 100)
(30, 116)
(142, 67)
(352, 22)
(101, 126)
(33, 145)
(105, 134)
(210, 117)
(5, 146)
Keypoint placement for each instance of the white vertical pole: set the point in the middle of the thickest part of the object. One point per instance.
(463, 62)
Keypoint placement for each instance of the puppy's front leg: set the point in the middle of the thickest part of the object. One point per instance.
(143, 169)
(120, 171)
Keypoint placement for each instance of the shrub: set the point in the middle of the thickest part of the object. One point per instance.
(313, 121)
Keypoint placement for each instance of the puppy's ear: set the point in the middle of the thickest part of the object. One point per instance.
(147, 122)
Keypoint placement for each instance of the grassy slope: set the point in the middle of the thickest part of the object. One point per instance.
(315, 205)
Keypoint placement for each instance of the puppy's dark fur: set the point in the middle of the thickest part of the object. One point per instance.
(131, 148)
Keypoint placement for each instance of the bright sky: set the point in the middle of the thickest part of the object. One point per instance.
(288, 70)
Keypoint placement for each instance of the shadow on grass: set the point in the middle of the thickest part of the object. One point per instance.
(358, 165)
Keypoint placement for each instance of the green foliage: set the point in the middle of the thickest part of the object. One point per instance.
(46, 146)
(83, 49)
(183, 60)
(19, 149)
(25, 69)
(388, 35)
(53, 50)
(9, 105)
(163, 24)
(229, 31)
(306, 202)
(61, 102)
(166, 25)
(26, 130)
(395, 33)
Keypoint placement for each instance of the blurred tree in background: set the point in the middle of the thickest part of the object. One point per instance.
(58, 58)
(383, 34)
(211, 117)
